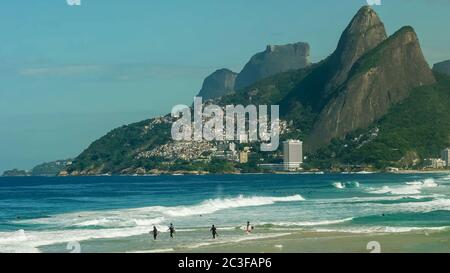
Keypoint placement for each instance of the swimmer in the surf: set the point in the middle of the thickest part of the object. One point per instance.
(154, 232)
(171, 230)
(214, 231)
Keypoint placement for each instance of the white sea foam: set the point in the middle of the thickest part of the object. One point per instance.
(410, 188)
(380, 229)
(423, 207)
(213, 205)
(239, 239)
(308, 223)
(338, 185)
(344, 185)
(30, 241)
(375, 198)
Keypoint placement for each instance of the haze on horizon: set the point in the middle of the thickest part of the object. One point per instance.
(68, 75)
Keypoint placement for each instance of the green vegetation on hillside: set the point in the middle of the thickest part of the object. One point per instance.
(117, 150)
(415, 129)
(273, 91)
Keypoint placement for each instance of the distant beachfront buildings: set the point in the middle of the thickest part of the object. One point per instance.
(435, 163)
(292, 155)
(445, 155)
(439, 163)
(243, 157)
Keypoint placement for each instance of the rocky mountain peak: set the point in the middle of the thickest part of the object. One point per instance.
(218, 84)
(382, 78)
(365, 32)
(442, 67)
(275, 59)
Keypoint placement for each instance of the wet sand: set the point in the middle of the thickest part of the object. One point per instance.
(328, 242)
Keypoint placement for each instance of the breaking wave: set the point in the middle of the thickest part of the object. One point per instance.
(409, 188)
(213, 205)
(345, 185)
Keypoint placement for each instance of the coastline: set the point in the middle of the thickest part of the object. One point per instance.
(236, 173)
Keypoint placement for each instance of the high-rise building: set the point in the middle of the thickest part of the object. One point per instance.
(292, 154)
(243, 157)
(232, 146)
(445, 155)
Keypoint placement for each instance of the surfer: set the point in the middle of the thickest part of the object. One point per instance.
(214, 231)
(249, 228)
(171, 230)
(154, 232)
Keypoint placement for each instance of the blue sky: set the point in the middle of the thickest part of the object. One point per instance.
(70, 74)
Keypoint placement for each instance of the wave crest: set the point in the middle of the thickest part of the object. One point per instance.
(414, 187)
(213, 205)
(345, 185)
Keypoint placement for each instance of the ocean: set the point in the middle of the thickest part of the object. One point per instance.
(116, 214)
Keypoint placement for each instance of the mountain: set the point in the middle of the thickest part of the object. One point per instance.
(275, 59)
(373, 101)
(51, 168)
(16, 172)
(412, 131)
(382, 78)
(365, 32)
(218, 84)
(442, 67)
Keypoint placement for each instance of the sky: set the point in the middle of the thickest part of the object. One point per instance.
(69, 74)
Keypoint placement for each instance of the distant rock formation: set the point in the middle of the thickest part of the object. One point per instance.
(15, 172)
(218, 84)
(276, 59)
(380, 79)
(442, 67)
(365, 32)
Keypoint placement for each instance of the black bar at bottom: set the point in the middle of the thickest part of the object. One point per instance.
(219, 262)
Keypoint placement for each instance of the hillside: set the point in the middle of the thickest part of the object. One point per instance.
(442, 67)
(413, 130)
(218, 84)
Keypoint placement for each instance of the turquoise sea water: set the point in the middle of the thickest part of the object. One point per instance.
(115, 214)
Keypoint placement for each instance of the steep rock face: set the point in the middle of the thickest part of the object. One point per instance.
(442, 67)
(275, 59)
(380, 79)
(218, 84)
(365, 32)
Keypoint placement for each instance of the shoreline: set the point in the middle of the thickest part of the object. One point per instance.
(261, 173)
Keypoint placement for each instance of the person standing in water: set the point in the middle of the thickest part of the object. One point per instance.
(214, 231)
(154, 232)
(249, 228)
(171, 230)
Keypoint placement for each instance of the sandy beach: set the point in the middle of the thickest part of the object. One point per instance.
(331, 242)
